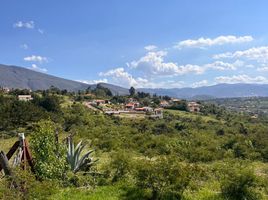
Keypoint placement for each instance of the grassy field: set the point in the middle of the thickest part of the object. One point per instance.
(100, 193)
(191, 115)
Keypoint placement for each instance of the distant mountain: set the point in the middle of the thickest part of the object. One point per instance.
(19, 77)
(215, 91)
(22, 78)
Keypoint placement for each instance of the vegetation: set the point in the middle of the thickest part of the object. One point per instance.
(215, 154)
(77, 161)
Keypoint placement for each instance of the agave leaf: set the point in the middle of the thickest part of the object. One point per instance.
(75, 158)
(82, 160)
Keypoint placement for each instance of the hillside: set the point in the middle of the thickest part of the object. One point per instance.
(18, 77)
(22, 78)
(215, 91)
(184, 154)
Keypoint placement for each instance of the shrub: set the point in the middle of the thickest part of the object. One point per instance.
(121, 165)
(164, 178)
(27, 187)
(240, 184)
(50, 157)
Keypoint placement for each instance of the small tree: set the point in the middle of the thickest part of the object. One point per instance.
(50, 160)
(132, 91)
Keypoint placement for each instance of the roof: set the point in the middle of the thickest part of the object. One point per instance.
(130, 104)
(141, 109)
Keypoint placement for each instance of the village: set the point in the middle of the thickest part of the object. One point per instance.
(133, 108)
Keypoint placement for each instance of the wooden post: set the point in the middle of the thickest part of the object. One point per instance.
(7, 170)
(4, 164)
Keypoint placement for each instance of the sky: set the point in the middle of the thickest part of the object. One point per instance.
(140, 43)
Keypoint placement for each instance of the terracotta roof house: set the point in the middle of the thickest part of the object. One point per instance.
(132, 106)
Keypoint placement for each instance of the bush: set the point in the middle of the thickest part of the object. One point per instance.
(241, 184)
(164, 178)
(50, 158)
(27, 187)
(121, 165)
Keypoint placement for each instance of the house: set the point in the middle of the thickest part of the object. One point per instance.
(25, 97)
(144, 109)
(164, 104)
(157, 113)
(148, 109)
(194, 106)
(100, 102)
(132, 105)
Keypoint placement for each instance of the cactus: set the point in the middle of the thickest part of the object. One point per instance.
(76, 160)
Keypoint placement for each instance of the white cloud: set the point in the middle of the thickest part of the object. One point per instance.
(241, 79)
(121, 77)
(24, 46)
(200, 84)
(34, 58)
(206, 42)
(219, 65)
(150, 47)
(41, 31)
(20, 24)
(259, 54)
(262, 69)
(94, 81)
(36, 68)
(153, 64)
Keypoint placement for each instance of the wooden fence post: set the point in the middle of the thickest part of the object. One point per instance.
(4, 164)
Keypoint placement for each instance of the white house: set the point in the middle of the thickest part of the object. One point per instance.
(25, 97)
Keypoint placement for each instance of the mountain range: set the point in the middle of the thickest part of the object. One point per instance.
(23, 78)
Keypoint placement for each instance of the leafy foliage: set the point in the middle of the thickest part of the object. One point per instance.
(50, 161)
(240, 184)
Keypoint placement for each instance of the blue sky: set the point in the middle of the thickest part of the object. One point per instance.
(141, 43)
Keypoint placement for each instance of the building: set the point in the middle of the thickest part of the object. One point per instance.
(194, 107)
(132, 105)
(100, 102)
(25, 97)
(5, 89)
(164, 104)
(157, 113)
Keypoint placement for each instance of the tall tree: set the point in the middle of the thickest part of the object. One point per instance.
(132, 91)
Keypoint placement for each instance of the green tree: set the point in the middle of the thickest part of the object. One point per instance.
(132, 91)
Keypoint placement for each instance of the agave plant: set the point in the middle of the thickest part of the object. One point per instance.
(76, 160)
